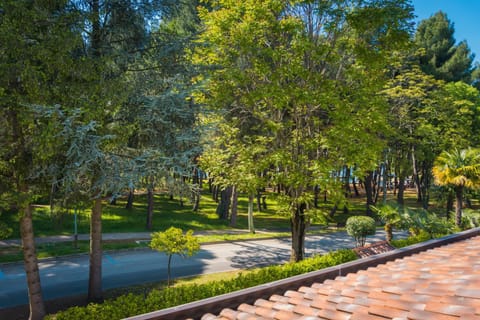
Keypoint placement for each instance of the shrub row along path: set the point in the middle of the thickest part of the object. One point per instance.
(68, 275)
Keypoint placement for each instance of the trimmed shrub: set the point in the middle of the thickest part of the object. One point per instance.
(130, 305)
(359, 227)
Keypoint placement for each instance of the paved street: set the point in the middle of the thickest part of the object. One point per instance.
(68, 276)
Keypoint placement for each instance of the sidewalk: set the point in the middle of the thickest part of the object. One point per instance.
(115, 236)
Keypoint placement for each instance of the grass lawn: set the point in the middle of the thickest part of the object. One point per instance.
(115, 218)
(169, 212)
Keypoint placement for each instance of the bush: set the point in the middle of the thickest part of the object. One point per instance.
(421, 237)
(359, 227)
(420, 220)
(470, 219)
(130, 305)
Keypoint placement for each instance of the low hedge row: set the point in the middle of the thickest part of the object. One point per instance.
(132, 304)
(400, 243)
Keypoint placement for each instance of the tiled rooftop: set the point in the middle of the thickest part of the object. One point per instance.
(440, 283)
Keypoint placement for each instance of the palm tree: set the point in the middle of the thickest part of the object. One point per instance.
(390, 215)
(459, 169)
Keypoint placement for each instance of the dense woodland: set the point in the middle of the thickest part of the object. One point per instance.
(100, 98)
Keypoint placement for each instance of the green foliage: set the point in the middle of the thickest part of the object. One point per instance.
(388, 213)
(5, 231)
(293, 97)
(174, 241)
(441, 57)
(390, 216)
(421, 237)
(458, 169)
(470, 219)
(422, 221)
(130, 304)
(458, 115)
(359, 227)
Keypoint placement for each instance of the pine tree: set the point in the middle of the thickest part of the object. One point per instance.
(440, 56)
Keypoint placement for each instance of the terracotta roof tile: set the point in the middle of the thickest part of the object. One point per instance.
(441, 283)
(428, 315)
(278, 298)
(229, 314)
(305, 310)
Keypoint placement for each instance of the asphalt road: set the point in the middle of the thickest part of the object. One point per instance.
(68, 276)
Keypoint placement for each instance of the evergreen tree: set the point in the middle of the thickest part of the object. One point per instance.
(33, 70)
(116, 36)
(160, 112)
(440, 55)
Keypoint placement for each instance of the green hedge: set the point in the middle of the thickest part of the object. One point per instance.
(400, 243)
(131, 304)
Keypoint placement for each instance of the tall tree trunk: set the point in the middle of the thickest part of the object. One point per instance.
(95, 273)
(376, 185)
(259, 200)
(401, 191)
(450, 200)
(395, 184)
(196, 190)
(35, 298)
(348, 191)
(210, 185)
(355, 189)
(150, 204)
(385, 183)
(196, 200)
(369, 190)
(200, 179)
(424, 182)
(333, 210)
(458, 205)
(224, 203)
(298, 224)
(169, 270)
(216, 193)
(416, 177)
(22, 165)
(234, 207)
(129, 204)
(251, 227)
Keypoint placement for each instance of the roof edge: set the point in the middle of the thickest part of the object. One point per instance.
(250, 295)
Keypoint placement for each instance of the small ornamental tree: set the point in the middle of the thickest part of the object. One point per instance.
(390, 215)
(359, 227)
(174, 241)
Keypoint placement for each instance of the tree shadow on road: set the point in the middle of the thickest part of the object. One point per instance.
(254, 255)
